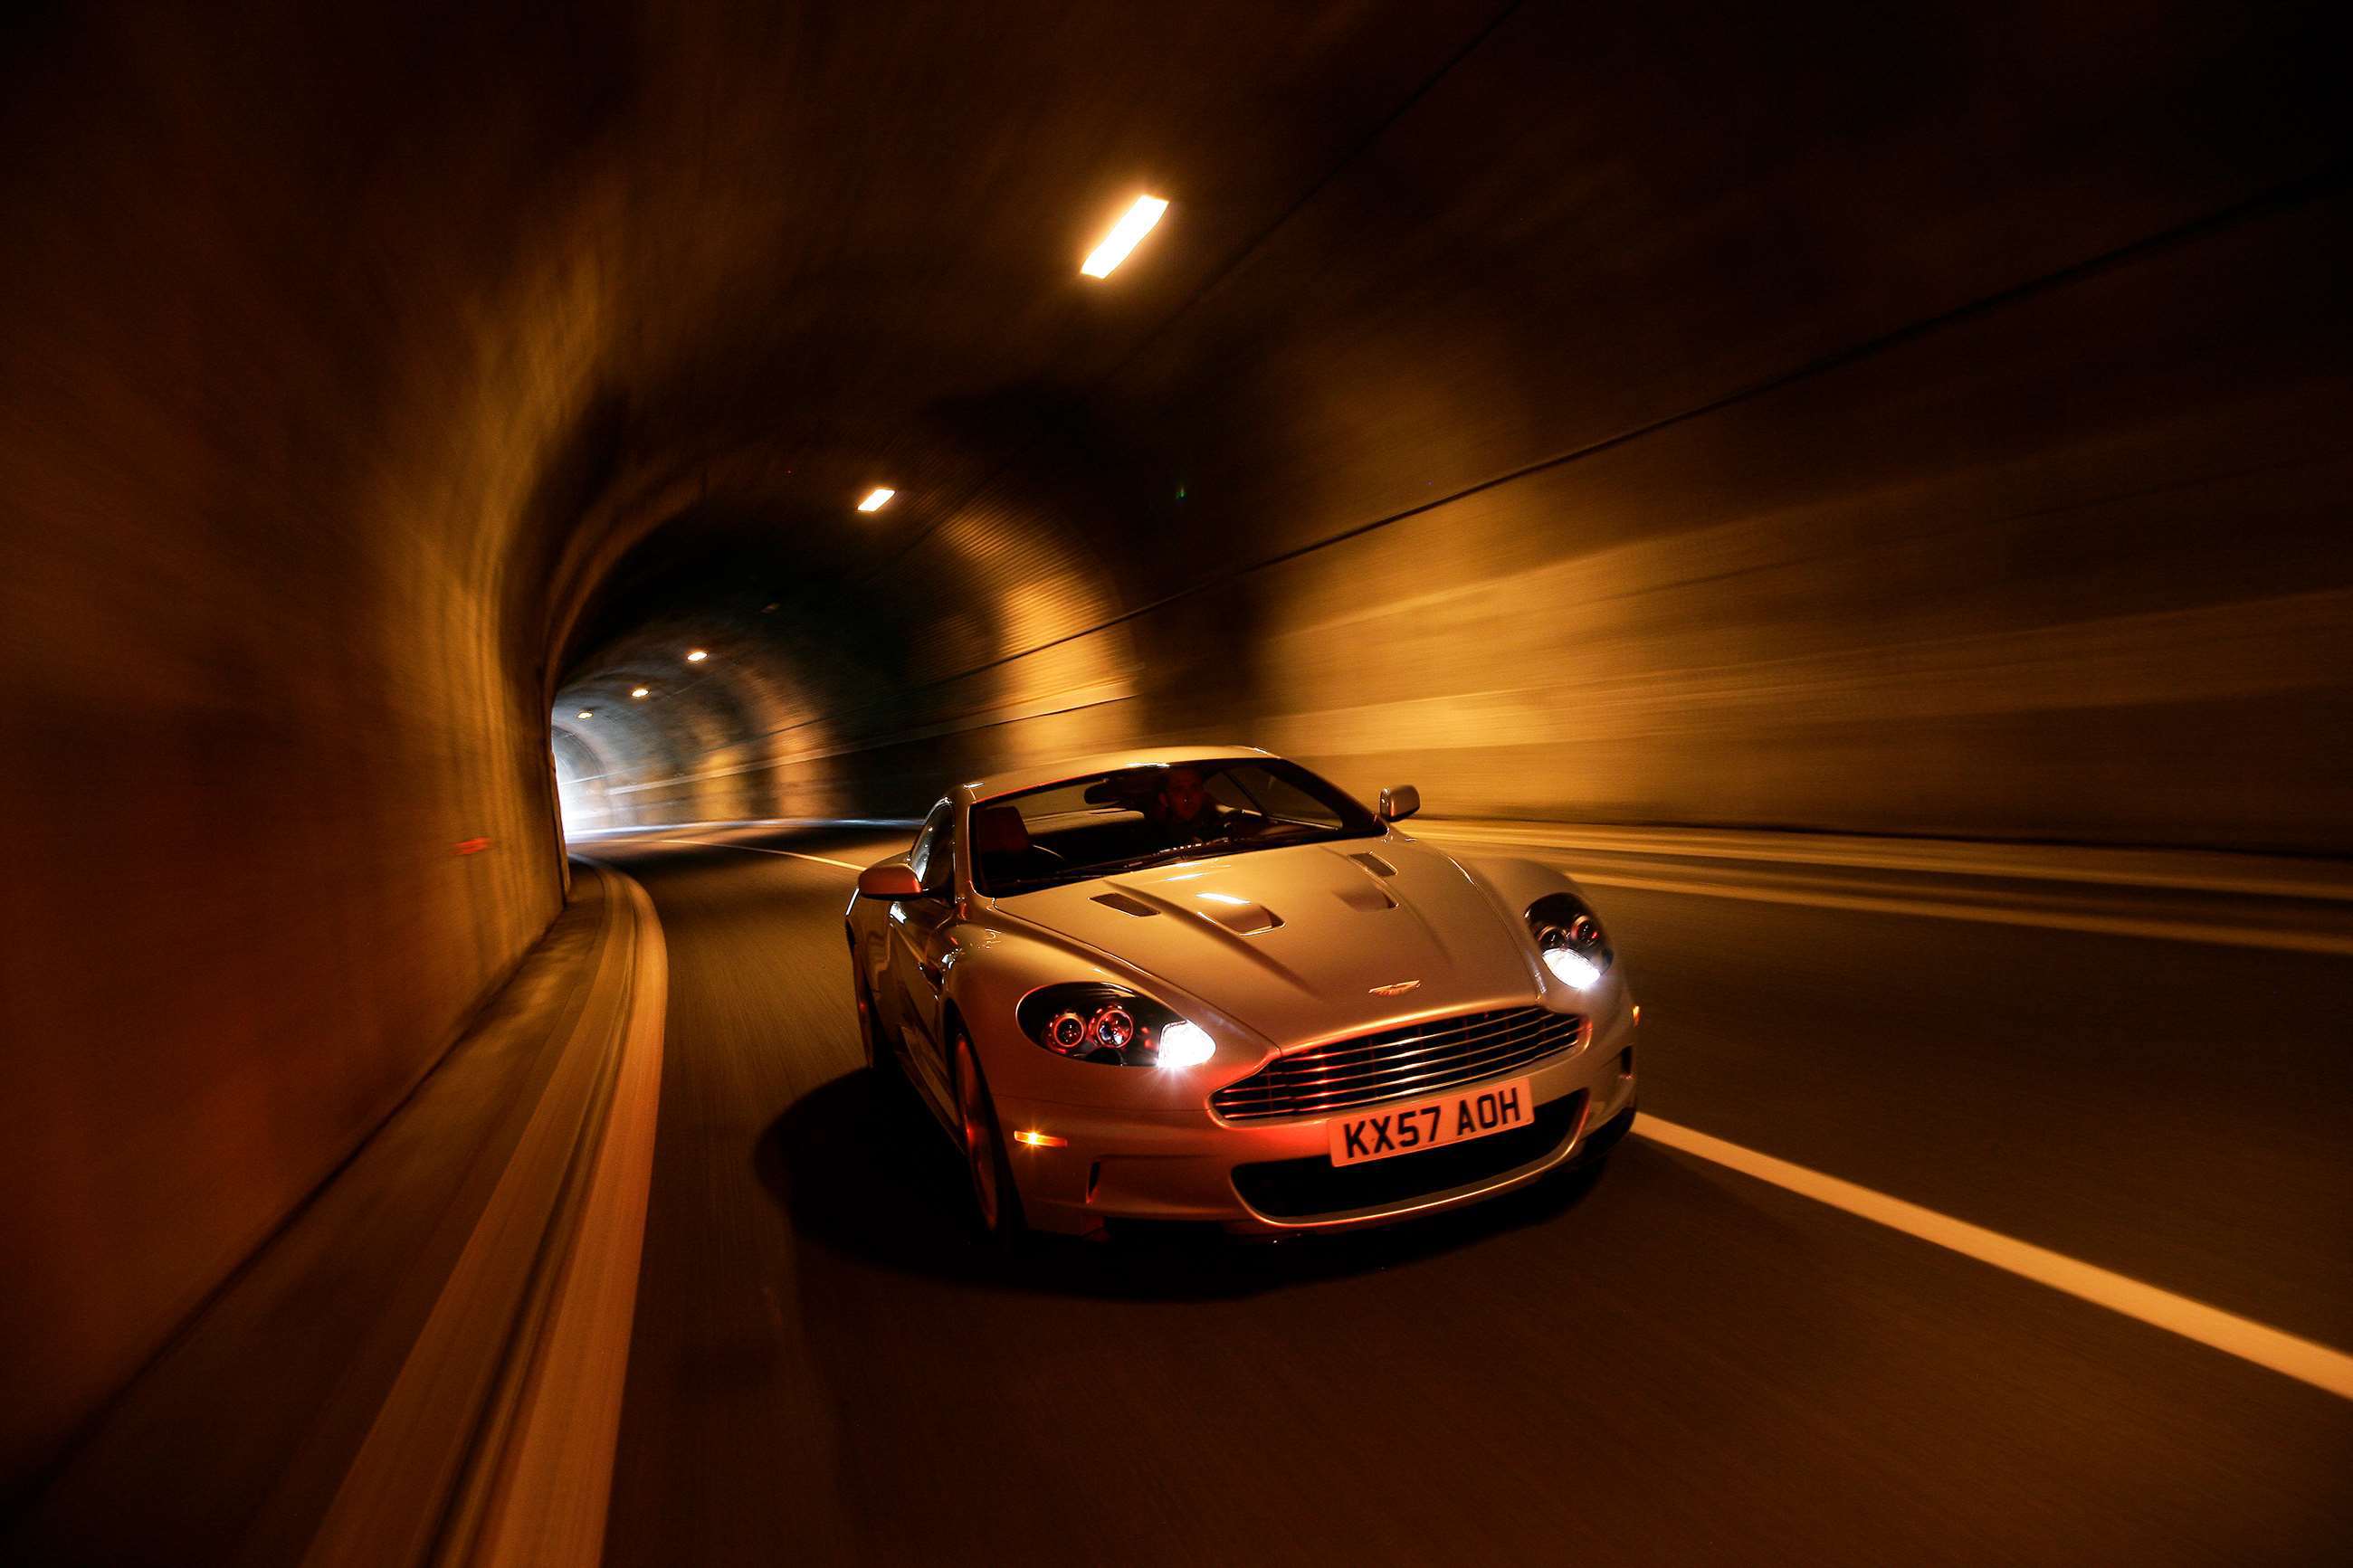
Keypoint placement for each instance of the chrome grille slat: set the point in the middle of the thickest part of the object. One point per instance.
(1425, 1045)
(1412, 1060)
(1419, 1041)
(1298, 1075)
(1469, 1025)
(1452, 1073)
(1317, 1083)
(1425, 1083)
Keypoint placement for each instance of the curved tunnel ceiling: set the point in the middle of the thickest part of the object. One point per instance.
(1432, 289)
(907, 310)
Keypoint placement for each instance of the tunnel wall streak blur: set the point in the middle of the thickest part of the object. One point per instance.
(275, 446)
(2024, 517)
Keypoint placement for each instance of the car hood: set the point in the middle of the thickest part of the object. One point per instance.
(1296, 942)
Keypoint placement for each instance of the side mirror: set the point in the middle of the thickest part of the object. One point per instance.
(1399, 801)
(889, 879)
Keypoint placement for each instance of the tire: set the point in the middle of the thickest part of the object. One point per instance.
(995, 1201)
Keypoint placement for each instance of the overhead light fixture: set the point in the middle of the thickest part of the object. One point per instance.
(641, 692)
(1124, 236)
(587, 713)
(696, 656)
(876, 498)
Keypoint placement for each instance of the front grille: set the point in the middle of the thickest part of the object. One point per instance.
(1303, 1189)
(1400, 1064)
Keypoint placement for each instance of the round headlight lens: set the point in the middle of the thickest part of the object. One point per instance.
(1115, 1027)
(1093, 1022)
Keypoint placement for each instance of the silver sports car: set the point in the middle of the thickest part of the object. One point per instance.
(1204, 985)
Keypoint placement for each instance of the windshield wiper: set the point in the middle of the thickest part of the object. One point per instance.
(1171, 852)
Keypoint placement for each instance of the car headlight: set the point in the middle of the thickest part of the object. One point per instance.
(1570, 941)
(1112, 1026)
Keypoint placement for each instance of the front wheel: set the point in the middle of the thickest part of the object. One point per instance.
(996, 1202)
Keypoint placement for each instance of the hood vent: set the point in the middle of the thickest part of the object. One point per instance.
(1243, 917)
(1375, 864)
(1126, 905)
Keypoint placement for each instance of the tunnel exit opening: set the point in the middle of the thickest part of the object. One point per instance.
(581, 802)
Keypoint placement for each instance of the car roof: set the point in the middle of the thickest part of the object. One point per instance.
(1010, 781)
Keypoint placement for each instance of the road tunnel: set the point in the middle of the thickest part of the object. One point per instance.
(434, 436)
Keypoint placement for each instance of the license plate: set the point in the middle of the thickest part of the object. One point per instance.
(1432, 1123)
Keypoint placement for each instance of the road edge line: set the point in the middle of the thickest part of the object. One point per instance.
(762, 849)
(2307, 1361)
(2278, 940)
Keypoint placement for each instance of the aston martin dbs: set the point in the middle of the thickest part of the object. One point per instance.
(1203, 984)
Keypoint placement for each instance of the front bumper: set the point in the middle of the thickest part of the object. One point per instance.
(1178, 1166)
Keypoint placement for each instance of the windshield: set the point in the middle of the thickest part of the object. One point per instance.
(1118, 821)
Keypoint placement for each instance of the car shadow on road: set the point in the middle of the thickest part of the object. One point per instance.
(860, 1169)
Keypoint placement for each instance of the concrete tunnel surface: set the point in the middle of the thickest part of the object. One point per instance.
(1924, 421)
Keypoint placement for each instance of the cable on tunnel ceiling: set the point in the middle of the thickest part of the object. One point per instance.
(2279, 198)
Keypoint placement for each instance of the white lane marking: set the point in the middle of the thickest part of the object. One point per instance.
(2217, 932)
(891, 822)
(2301, 1359)
(2072, 864)
(756, 849)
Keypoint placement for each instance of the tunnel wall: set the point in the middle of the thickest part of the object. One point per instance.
(274, 759)
(1958, 450)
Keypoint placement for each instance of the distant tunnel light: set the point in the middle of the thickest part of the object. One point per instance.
(641, 692)
(876, 498)
(1124, 236)
(696, 655)
(587, 713)
(1041, 1139)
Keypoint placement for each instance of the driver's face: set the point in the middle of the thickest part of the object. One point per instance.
(1186, 795)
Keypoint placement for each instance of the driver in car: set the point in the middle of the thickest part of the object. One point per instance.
(1184, 807)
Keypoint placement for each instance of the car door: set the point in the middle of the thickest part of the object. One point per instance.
(920, 944)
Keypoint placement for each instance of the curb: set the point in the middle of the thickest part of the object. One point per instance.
(496, 1440)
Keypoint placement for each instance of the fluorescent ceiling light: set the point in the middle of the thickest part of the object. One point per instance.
(696, 656)
(876, 498)
(1123, 237)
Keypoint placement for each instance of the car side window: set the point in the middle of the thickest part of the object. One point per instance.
(927, 842)
(938, 875)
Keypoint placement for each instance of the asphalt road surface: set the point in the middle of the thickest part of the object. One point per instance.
(1667, 1362)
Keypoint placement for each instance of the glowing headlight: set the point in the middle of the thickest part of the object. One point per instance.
(1571, 940)
(1184, 1044)
(1573, 968)
(1115, 1027)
